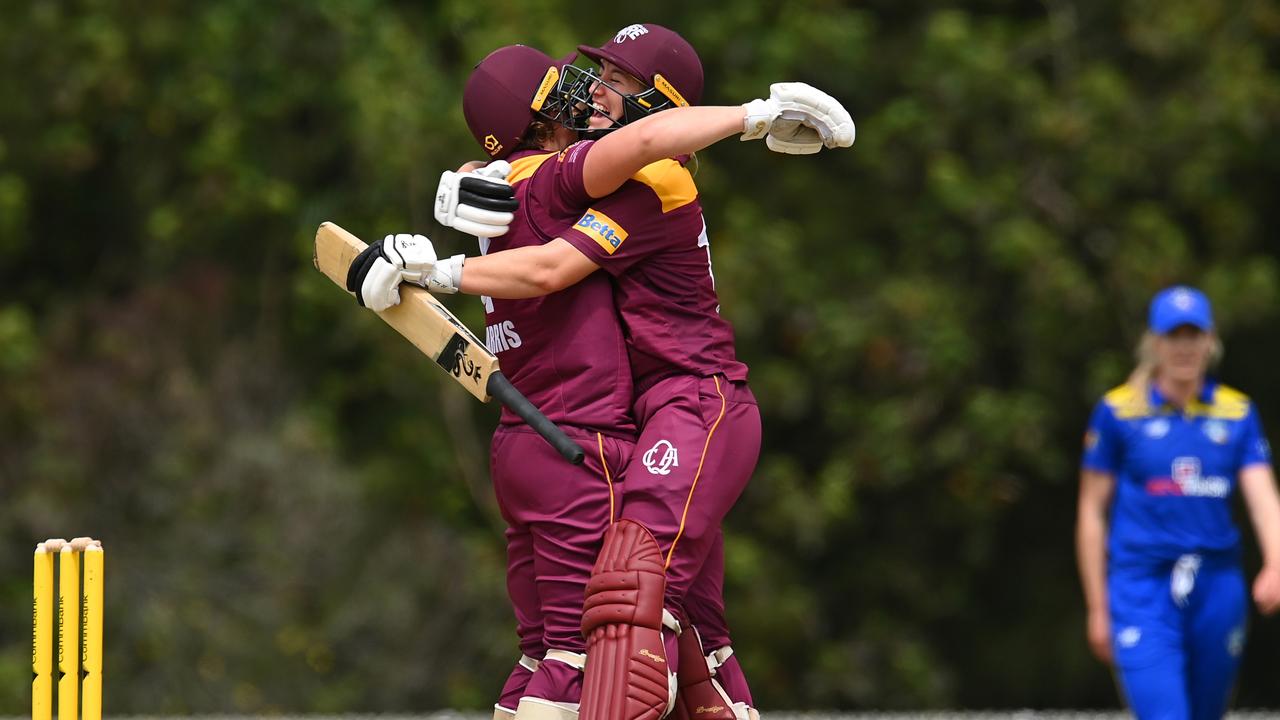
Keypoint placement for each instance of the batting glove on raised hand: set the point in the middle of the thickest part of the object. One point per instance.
(798, 119)
(376, 273)
(793, 137)
(480, 202)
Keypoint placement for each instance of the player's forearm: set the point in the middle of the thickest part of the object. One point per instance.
(1091, 556)
(1258, 485)
(1096, 489)
(679, 131)
(525, 272)
(512, 274)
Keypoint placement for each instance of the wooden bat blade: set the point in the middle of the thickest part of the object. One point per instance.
(419, 317)
(423, 321)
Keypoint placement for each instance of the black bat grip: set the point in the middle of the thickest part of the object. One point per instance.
(507, 394)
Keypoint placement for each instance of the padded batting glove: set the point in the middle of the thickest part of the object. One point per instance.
(480, 202)
(376, 273)
(793, 137)
(791, 117)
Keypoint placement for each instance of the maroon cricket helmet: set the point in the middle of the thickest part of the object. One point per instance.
(657, 56)
(509, 89)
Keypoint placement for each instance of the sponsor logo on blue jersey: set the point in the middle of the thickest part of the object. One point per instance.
(1186, 481)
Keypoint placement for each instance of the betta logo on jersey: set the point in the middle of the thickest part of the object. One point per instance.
(1186, 481)
(602, 228)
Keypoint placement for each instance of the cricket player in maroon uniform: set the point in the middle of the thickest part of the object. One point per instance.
(700, 429)
(566, 353)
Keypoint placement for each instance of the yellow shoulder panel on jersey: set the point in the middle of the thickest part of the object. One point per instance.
(1228, 403)
(671, 181)
(524, 168)
(1126, 403)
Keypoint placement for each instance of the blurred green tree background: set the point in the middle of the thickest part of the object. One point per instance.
(291, 526)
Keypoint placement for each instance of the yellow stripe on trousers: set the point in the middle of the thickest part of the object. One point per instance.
(689, 501)
(607, 478)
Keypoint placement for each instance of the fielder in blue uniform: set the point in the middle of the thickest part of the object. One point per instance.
(1159, 554)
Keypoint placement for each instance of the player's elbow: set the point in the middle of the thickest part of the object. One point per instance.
(647, 141)
(546, 278)
(558, 265)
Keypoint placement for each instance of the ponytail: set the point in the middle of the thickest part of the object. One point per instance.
(1144, 372)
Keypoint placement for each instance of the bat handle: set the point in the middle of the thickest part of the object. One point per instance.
(507, 394)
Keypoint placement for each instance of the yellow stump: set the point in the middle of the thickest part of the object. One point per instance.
(68, 634)
(91, 657)
(42, 635)
(79, 634)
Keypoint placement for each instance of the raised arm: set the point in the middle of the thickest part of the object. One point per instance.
(1096, 491)
(678, 131)
(792, 111)
(794, 119)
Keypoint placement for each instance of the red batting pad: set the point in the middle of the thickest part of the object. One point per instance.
(697, 697)
(626, 672)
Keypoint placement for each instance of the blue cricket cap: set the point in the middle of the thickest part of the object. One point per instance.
(1179, 305)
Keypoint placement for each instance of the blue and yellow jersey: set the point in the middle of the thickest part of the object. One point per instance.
(1175, 470)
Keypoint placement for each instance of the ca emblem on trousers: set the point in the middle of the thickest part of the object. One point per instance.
(660, 458)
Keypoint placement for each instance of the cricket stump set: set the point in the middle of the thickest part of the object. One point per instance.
(78, 641)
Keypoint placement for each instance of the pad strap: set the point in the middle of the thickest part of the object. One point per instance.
(716, 658)
(699, 696)
(532, 708)
(574, 660)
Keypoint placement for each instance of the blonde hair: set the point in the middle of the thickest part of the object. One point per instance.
(1149, 363)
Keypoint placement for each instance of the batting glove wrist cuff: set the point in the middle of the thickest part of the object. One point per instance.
(446, 277)
(759, 118)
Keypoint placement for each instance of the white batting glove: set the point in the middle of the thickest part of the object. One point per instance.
(480, 202)
(415, 257)
(376, 273)
(800, 102)
(793, 138)
(380, 288)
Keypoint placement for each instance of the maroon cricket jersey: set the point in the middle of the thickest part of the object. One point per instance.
(650, 236)
(564, 351)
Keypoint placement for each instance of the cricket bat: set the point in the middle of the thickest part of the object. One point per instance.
(429, 325)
